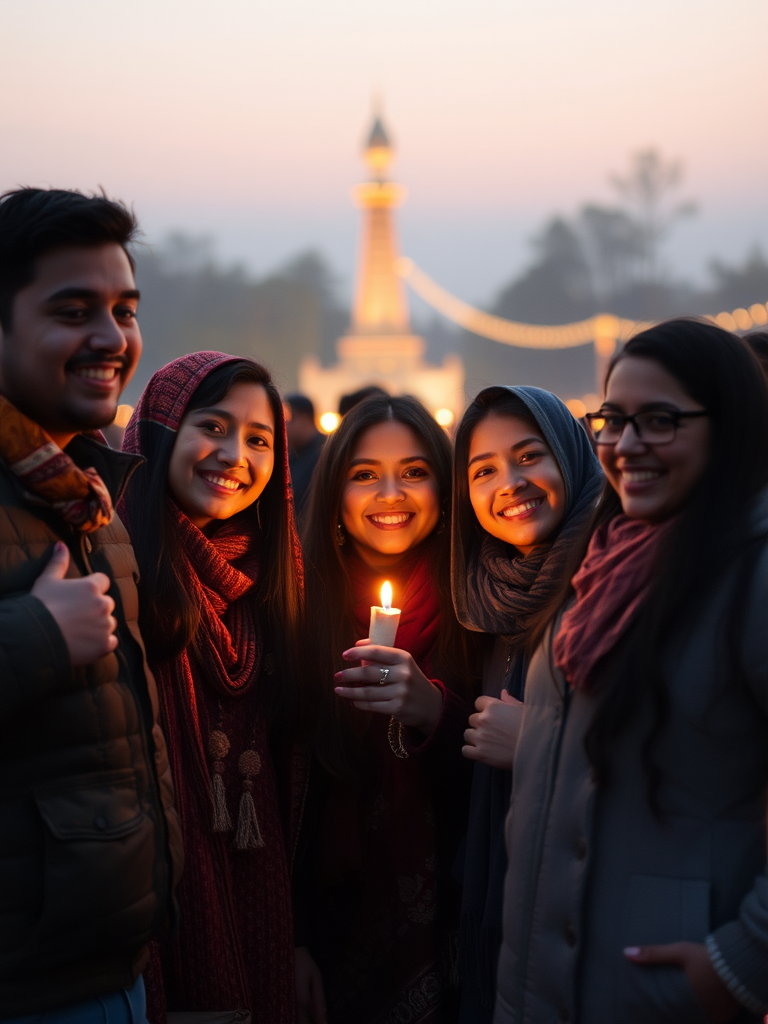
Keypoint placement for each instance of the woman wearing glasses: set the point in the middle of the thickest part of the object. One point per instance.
(637, 890)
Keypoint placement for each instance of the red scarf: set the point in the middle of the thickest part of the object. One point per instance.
(611, 584)
(43, 469)
(234, 945)
(413, 591)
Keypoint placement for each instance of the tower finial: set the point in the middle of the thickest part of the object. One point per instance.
(378, 148)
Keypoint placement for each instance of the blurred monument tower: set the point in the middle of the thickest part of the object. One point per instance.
(380, 347)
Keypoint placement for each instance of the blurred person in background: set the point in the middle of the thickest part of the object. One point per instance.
(221, 586)
(637, 887)
(388, 804)
(348, 402)
(305, 442)
(90, 848)
(525, 484)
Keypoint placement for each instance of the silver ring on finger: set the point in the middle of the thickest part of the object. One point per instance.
(383, 676)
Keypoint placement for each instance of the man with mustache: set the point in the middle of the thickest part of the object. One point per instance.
(89, 845)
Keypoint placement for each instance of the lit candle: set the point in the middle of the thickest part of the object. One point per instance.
(384, 620)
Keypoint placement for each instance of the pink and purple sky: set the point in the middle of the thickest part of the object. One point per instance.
(244, 119)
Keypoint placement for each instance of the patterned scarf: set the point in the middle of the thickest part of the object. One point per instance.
(48, 473)
(611, 584)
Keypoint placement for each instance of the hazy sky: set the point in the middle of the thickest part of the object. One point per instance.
(244, 119)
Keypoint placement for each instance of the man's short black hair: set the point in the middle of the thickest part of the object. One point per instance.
(35, 221)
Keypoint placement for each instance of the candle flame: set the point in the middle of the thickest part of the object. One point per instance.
(386, 596)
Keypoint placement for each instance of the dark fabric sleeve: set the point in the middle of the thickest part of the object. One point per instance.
(447, 738)
(33, 654)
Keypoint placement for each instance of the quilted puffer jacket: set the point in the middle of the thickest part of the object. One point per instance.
(90, 848)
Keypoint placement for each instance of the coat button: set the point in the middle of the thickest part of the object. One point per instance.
(581, 848)
(100, 823)
(570, 935)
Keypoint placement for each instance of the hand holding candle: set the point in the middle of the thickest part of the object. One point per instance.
(404, 692)
(384, 620)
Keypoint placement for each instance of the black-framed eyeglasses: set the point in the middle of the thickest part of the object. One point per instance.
(658, 426)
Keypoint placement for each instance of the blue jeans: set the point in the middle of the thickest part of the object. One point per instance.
(128, 1006)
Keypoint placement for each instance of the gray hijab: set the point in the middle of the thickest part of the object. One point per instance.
(495, 590)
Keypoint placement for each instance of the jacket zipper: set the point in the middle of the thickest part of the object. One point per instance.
(163, 863)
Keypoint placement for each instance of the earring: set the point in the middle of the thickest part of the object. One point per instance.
(258, 512)
(441, 525)
(341, 535)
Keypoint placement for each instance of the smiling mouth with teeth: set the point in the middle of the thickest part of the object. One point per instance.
(222, 481)
(638, 476)
(392, 518)
(517, 510)
(106, 373)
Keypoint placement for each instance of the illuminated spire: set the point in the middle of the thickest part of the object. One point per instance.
(378, 150)
(380, 306)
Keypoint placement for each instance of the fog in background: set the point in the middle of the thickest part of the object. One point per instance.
(236, 128)
(602, 258)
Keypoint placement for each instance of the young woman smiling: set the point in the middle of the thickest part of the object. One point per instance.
(211, 520)
(389, 798)
(637, 890)
(525, 484)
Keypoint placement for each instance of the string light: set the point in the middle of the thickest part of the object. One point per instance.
(603, 330)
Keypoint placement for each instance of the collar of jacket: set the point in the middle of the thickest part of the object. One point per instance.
(114, 467)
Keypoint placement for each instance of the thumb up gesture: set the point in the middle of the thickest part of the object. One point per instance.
(81, 607)
(493, 731)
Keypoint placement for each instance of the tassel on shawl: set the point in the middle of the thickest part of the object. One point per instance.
(218, 748)
(248, 835)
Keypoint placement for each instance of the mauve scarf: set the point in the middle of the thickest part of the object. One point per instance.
(611, 584)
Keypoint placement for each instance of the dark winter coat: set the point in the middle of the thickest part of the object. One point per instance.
(90, 848)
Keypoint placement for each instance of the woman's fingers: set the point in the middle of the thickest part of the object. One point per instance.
(671, 953)
(369, 675)
(373, 652)
(471, 736)
(483, 702)
(377, 694)
(693, 959)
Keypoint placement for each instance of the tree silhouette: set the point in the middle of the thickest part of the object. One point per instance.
(645, 191)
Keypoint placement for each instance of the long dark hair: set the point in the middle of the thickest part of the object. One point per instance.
(329, 588)
(168, 616)
(719, 372)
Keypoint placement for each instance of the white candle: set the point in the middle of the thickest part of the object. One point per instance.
(384, 620)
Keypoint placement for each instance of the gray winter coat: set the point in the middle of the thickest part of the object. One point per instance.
(593, 870)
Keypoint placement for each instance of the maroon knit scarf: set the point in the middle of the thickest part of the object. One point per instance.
(414, 593)
(611, 585)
